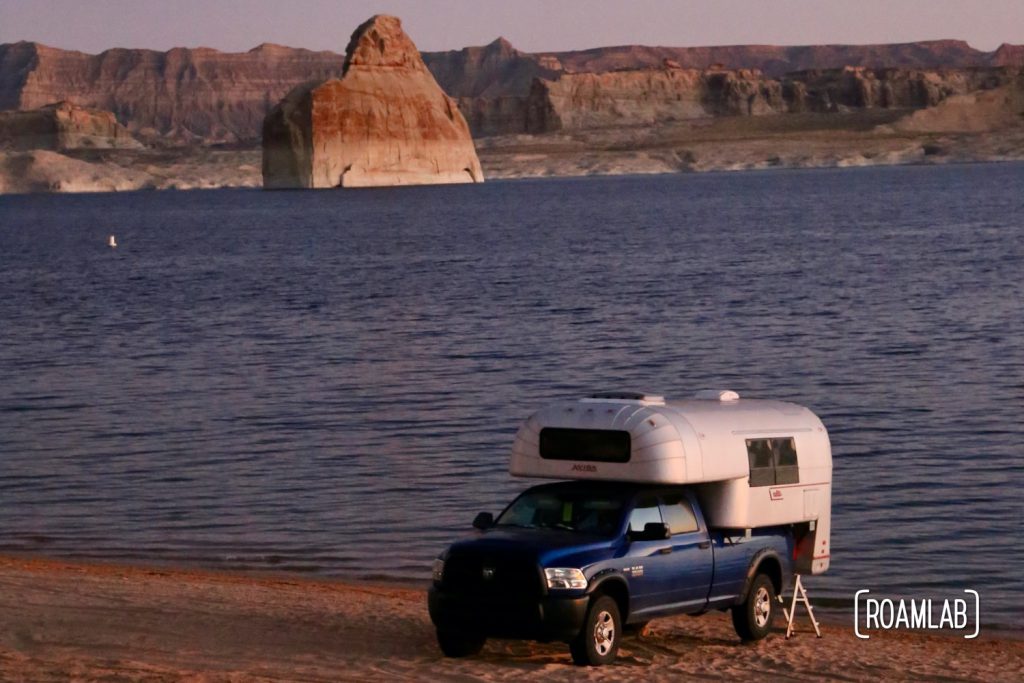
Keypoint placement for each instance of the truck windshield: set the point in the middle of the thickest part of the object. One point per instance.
(582, 512)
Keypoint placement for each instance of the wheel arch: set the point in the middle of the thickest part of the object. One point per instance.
(615, 587)
(769, 563)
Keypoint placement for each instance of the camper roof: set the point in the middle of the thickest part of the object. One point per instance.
(639, 437)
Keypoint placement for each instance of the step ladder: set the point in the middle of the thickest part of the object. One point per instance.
(799, 595)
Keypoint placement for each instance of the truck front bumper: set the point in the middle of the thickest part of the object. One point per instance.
(544, 618)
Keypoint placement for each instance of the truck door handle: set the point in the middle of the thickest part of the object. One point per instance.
(664, 551)
(704, 544)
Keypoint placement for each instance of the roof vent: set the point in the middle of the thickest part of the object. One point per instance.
(648, 399)
(716, 395)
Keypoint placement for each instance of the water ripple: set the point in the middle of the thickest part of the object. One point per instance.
(330, 382)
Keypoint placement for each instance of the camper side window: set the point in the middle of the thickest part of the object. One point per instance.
(773, 461)
(762, 468)
(786, 470)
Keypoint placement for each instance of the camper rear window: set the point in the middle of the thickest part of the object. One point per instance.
(588, 445)
(773, 461)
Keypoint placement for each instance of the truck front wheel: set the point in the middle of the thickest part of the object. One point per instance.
(459, 643)
(598, 642)
(752, 619)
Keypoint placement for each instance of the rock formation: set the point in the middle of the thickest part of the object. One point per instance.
(491, 83)
(183, 96)
(579, 101)
(63, 126)
(47, 171)
(494, 70)
(187, 96)
(105, 170)
(384, 122)
(979, 111)
(776, 60)
(829, 90)
(1008, 55)
(648, 96)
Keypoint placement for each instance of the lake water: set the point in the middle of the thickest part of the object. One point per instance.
(330, 381)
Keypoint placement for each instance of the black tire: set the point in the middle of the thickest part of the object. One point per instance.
(753, 618)
(459, 643)
(598, 642)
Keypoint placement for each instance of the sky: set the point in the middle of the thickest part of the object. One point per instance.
(531, 25)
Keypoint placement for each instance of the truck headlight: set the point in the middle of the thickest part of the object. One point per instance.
(566, 578)
(438, 569)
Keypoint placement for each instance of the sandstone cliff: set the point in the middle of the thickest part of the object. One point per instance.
(776, 60)
(629, 109)
(830, 90)
(578, 101)
(177, 97)
(63, 126)
(205, 96)
(648, 96)
(48, 171)
(118, 170)
(1008, 55)
(493, 70)
(384, 122)
(980, 111)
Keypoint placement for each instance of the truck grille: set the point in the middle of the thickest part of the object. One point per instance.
(491, 574)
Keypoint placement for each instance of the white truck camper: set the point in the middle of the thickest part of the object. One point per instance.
(752, 463)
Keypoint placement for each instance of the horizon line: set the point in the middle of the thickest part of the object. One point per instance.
(539, 52)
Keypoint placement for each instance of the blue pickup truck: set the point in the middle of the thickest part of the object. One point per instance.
(583, 562)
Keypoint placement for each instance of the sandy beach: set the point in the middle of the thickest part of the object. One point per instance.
(75, 621)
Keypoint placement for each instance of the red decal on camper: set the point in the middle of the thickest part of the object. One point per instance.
(776, 494)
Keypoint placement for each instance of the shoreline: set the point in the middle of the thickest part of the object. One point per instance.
(499, 178)
(720, 145)
(66, 618)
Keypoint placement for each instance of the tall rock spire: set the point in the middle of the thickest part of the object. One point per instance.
(384, 122)
(380, 42)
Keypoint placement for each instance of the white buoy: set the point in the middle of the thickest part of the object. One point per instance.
(112, 242)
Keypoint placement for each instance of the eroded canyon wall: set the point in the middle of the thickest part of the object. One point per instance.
(186, 96)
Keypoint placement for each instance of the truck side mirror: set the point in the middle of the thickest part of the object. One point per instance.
(484, 520)
(653, 531)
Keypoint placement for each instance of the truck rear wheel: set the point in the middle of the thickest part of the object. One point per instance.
(752, 619)
(598, 642)
(459, 643)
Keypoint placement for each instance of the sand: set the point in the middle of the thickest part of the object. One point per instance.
(73, 621)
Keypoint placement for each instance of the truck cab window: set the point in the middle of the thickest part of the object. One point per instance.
(578, 511)
(645, 512)
(678, 514)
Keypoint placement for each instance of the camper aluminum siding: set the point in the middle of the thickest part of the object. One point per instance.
(707, 442)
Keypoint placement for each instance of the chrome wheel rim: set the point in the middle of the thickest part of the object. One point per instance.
(762, 607)
(604, 633)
